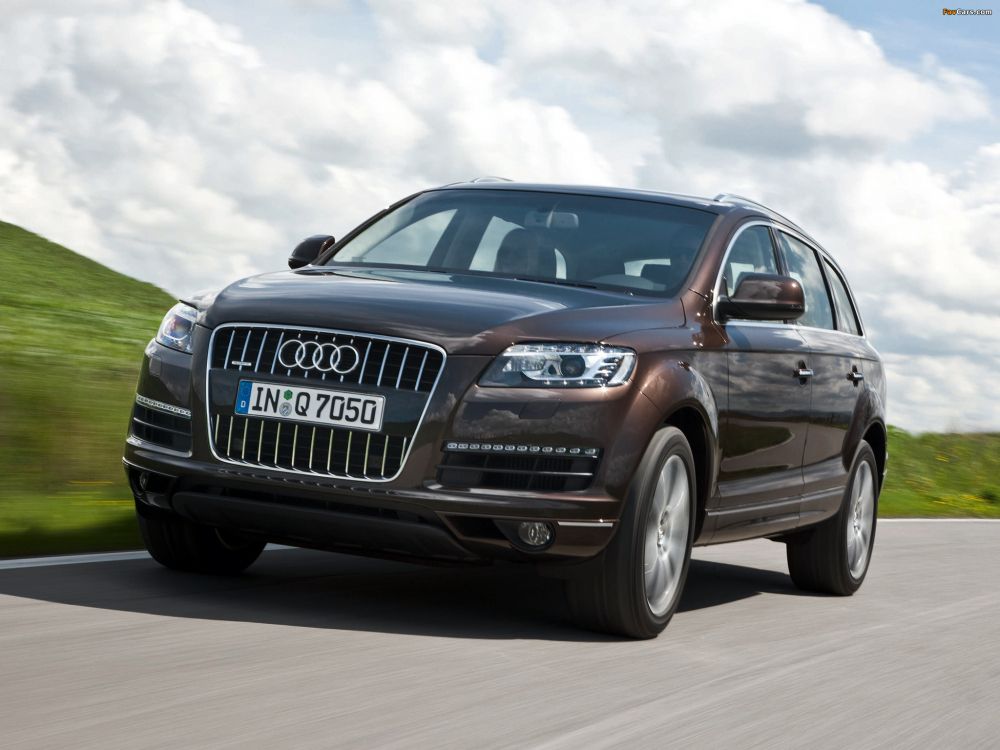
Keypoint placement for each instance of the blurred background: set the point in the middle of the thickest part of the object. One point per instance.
(152, 149)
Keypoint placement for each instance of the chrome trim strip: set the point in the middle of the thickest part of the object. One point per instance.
(588, 524)
(146, 445)
(766, 324)
(177, 411)
(717, 289)
(407, 443)
(144, 423)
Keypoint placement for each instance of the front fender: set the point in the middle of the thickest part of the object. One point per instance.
(689, 389)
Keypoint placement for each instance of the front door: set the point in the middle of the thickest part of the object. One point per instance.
(763, 429)
(837, 350)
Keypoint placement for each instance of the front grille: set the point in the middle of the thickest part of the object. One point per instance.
(158, 427)
(545, 473)
(404, 372)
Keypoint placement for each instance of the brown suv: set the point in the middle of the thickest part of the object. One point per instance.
(589, 379)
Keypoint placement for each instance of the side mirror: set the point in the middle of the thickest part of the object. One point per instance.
(309, 249)
(764, 296)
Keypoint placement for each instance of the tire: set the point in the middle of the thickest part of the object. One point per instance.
(827, 559)
(618, 593)
(179, 544)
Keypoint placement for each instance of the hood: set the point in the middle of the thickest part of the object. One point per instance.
(463, 313)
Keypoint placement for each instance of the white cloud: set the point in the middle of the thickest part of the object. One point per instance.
(946, 392)
(155, 138)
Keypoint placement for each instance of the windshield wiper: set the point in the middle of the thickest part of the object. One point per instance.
(560, 282)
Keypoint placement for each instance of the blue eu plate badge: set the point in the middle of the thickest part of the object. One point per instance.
(243, 397)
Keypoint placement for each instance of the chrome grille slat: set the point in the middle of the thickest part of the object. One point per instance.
(364, 363)
(243, 355)
(229, 346)
(385, 358)
(277, 348)
(402, 367)
(260, 351)
(420, 372)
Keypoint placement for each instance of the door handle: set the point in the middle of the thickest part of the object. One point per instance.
(855, 377)
(803, 372)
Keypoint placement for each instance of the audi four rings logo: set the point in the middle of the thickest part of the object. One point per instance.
(312, 355)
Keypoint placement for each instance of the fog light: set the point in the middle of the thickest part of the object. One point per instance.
(534, 533)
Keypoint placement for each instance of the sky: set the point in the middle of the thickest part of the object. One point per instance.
(193, 142)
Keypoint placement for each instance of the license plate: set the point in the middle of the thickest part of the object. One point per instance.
(317, 405)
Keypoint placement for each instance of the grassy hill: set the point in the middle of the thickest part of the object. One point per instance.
(71, 338)
(954, 474)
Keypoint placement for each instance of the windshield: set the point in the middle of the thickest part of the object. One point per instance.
(635, 245)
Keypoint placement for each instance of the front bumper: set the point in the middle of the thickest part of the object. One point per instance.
(413, 515)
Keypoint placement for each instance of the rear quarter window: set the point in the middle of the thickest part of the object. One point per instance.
(847, 316)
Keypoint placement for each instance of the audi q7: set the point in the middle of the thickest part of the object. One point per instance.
(591, 380)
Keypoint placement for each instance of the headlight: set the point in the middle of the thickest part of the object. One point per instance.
(560, 366)
(175, 330)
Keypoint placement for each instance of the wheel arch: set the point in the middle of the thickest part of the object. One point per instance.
(878, 438)
(868, 424)
(692, 422)
(687, 402)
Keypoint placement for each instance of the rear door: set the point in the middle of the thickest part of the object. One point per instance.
(763, 429)
(832, 334)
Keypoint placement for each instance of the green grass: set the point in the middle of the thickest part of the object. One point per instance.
(948, 475)
(71, 340)
(66, 523)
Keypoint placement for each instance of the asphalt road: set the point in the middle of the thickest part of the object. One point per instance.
(319, 650)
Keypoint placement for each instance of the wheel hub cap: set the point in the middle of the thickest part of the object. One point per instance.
(666, 535)
(859, 531)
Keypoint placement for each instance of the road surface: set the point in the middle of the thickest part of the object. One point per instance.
(320, 650)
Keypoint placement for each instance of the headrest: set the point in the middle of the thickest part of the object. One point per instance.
(525, 252)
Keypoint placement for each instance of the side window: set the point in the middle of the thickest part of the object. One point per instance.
(804, 267)
(752, 252)
(414, 243)
(847, 319)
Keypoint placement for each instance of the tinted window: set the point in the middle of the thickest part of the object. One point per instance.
(641, 246)
(847, 319)
(752, 252)
(804, 267)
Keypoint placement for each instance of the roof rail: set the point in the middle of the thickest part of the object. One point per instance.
(477, 181)
(488, 178)
(739, 200)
